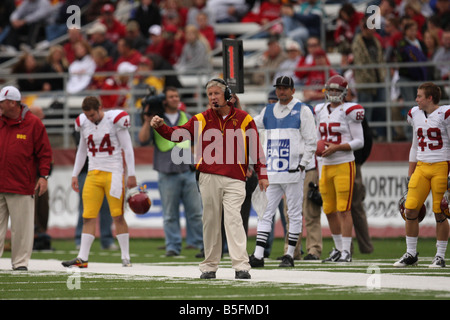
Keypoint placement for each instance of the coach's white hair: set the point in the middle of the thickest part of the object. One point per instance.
(215, 83)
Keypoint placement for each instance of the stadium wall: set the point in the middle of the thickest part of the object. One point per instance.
(384, 177)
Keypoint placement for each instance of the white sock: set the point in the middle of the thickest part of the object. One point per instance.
(337, 238)
(259, 252)
(290, 250)
(85, 246)
(441, 248)
(346, 244)
(411, 245)
(292, 243)
(124, 244)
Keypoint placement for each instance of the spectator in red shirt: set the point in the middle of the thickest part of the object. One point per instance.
(392, 36)
(206, 29)
(173, 13)
(75, 35)
(312, 45)
(268, 11)
(114, 28)
(347, 23)
(104, 63)
(166, 42)
(117, 83)
(317, 78)
(127, 52)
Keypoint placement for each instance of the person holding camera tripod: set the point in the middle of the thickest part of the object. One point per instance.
(176, 182)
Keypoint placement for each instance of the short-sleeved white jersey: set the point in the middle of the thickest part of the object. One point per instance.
(431, 133)
(334, 126)
(103, 146)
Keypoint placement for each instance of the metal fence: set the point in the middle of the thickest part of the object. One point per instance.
(61, 108)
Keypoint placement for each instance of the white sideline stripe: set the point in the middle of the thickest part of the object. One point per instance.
(296, 276)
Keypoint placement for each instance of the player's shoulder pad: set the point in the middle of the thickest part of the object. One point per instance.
(318, 107)
(354, 111)
(411, 113)
(446, 111)
(119, 118)
(79, 121)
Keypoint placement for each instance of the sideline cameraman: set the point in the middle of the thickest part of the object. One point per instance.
(176, 182)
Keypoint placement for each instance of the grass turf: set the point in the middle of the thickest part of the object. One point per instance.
(58, 285)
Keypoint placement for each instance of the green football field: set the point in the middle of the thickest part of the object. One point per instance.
(156, 277)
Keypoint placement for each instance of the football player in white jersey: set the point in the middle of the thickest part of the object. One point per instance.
(104, 137)
(428, 170)
(339, 125)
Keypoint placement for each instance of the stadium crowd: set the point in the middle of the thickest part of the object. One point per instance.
(127, 36)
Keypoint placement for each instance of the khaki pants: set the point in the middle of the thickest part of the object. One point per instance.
(311, 214)
(220, 192)
(359, 214)
(20, 208)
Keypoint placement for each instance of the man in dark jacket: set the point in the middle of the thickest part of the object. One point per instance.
(24, 150)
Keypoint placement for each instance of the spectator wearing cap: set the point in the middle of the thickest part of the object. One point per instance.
(156, 41)
(120, 84)
(97, 37)
(22, 137)
(114, 28)
(290, 143)
(316, 79)
(164, 43)
(146, 14)
(287, 67)
(271, 60)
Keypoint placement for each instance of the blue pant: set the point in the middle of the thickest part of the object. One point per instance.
(177, 188)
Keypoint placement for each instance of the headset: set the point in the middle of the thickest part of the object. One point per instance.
(227, 94)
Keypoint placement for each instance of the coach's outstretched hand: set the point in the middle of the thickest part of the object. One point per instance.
(156, 122)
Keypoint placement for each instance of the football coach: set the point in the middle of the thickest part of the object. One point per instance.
(225, 140)
(24, 151)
